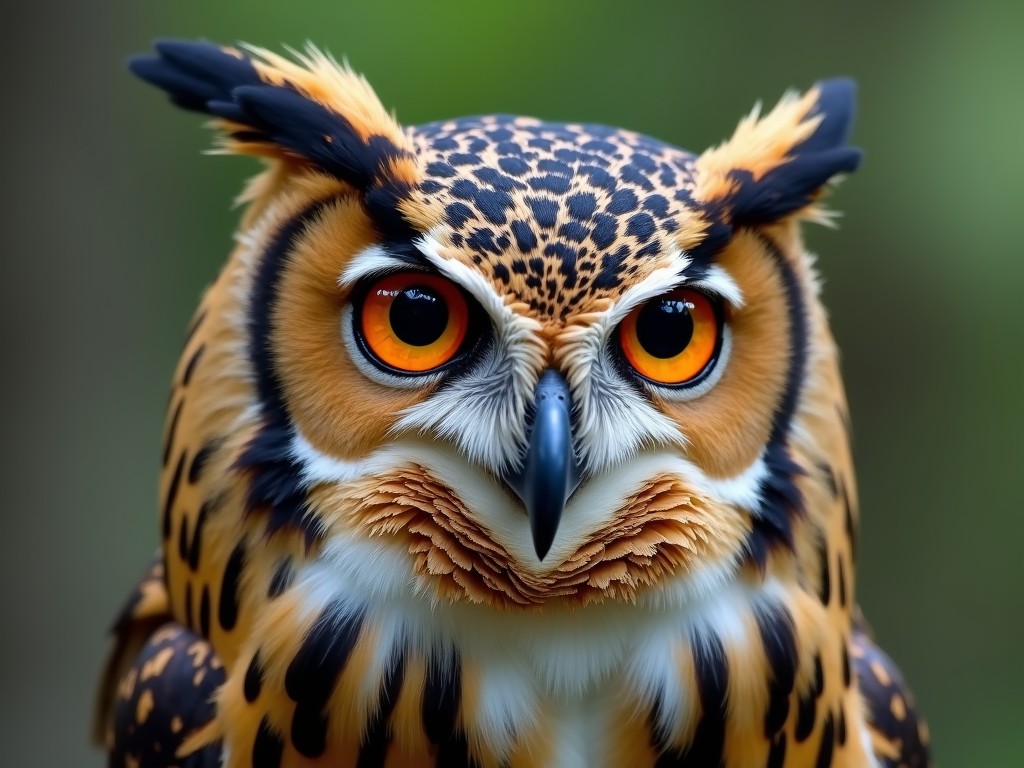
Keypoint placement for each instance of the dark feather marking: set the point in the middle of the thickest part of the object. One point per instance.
(454, 753)
(847, 673)
(842, 581)
(806, 715)
(281, 579)
(828, 743)
(275, 486)
(828, 476)
(253, 682)
(781, 498)
(197, 535)
(779, 192)
(227, 608)
(172, 430)
(851, 528)
(199, 461)
(314, 671)
(441, 696)
(309, 729)
(194, 73)
(204, 612)
(777, 753)
(374, 748)
(183, 548)
(172, 494)
(825, 590)
(775, 626)
(189, 607)
(268, 748)
(818, 681)
(179, 702)
(712, 670)
(205, 78)
(193, 361)
(878, 693)
(197, 321)
(706, 746)
(793, 184)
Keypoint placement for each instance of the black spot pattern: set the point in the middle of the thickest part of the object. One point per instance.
(558, 172)
(614, 188)
(890, 707)
(156, 710)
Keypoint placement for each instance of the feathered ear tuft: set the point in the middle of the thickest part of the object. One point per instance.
(778, 164)
(311, 110)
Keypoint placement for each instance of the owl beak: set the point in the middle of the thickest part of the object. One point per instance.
(549, 472)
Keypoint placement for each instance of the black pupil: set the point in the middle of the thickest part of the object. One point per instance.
(664, 327)
(418, 315)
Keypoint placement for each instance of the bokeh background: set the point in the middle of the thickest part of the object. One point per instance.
(114, 223)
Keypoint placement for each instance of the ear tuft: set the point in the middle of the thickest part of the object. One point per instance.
(311, 110)
(194, 74)
(777, 165)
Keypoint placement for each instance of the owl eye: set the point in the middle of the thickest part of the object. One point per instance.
(412, 322)
(673, 339)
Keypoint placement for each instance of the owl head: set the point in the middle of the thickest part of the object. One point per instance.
(505, 361)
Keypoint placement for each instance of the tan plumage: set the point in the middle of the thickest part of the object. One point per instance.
(357, 538)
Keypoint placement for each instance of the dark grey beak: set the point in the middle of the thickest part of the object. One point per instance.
(549, 472)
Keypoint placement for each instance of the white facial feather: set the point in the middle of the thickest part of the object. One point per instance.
(483, 411)
(615, 421)
(372, 260)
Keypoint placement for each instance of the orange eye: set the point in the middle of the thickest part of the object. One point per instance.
(413, 322)
(672, 339)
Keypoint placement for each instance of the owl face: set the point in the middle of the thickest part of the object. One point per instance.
(503, 361)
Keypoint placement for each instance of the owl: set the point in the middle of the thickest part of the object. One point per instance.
(504, 443)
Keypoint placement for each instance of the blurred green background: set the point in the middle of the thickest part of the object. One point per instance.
(115, 223)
